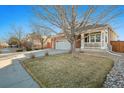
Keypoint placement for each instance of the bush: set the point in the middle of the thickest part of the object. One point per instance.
(32, 56)
(28, 49)
(81, 51)
(27, 45)
(36, 49)
(19, 50)
(70, 52)
(46, 54)
(0, 52)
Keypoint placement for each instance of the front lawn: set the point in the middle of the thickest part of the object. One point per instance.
(66, 71)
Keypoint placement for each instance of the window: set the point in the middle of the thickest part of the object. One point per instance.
(106, 37)
(92, 38)
(86, 38)
(98, 37)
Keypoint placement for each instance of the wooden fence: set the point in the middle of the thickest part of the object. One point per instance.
(118, 46)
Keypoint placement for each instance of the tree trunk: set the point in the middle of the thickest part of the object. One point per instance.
(42, 46)
(42, 43)
(73, 49)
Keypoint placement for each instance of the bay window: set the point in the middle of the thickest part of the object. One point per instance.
(93, 37)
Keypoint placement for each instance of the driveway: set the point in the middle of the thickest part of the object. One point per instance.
(13, 75)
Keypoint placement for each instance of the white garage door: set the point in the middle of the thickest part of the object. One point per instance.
(65, 45)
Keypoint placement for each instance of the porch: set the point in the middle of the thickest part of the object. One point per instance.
(98, 39)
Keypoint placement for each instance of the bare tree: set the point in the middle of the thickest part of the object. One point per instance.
(42, 33)
(17, 32)
(73, 20)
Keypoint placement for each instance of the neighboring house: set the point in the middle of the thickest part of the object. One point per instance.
(3, 45)
(36, 43)
(98, 36)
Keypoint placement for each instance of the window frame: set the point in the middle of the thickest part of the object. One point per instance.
(99, 37)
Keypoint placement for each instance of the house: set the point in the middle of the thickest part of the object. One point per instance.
(98, 37)
(35, 39)
(3, 44)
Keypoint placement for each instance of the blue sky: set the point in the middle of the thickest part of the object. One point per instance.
(14, 15)
(23, 16)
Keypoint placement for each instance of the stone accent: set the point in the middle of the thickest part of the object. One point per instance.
(115, 79)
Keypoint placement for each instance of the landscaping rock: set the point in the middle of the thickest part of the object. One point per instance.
(115, 79)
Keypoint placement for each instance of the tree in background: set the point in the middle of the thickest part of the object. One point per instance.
(17, 33)
(27, 45)
(14, 41)
(73, 20)
(42, 34)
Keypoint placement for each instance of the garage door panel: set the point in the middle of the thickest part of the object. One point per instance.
(63, 45)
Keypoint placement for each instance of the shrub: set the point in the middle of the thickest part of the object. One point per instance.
(46, 54)
(19, 50)
(81, 51)
(32, 56)
(27, 45)
(36, 49)
(70, 51)
(28, 49)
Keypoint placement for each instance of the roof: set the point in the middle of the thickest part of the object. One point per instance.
(100, 26)
(94, 26)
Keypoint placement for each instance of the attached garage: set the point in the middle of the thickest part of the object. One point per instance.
(63, 45)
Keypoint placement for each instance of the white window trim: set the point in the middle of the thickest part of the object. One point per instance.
(94, 37)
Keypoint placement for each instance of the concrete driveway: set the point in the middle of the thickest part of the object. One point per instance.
(13, 75)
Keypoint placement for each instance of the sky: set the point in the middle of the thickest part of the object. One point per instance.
(14, 15)
(23, 16)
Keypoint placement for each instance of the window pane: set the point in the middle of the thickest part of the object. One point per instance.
(92, 38)
(98, 37)
(86, 38)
